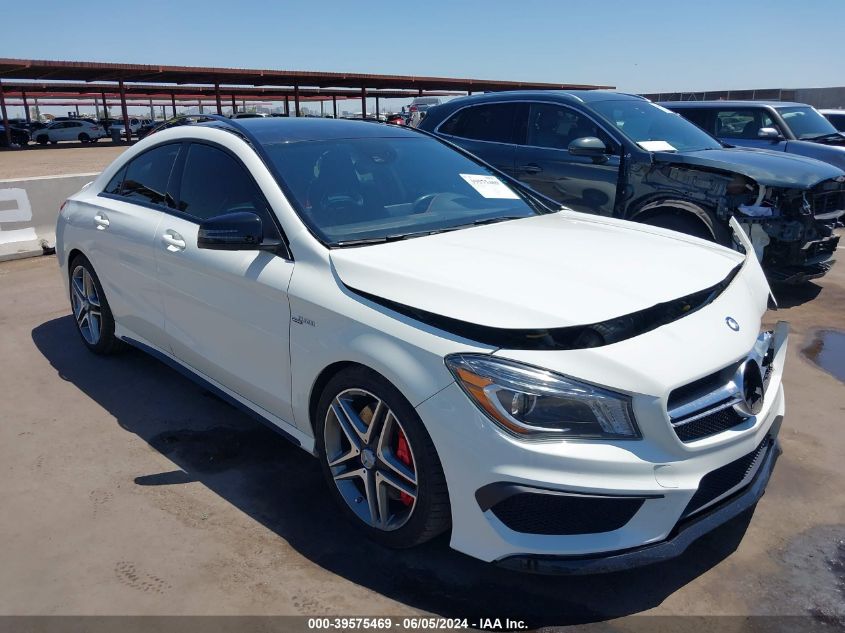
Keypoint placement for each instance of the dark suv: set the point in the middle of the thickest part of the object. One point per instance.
(623, 156)
(795, 128)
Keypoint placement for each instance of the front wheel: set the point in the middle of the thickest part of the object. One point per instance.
(94, 320)
(379, 460)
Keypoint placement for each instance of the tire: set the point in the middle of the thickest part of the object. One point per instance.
(84, 138)
(409, 520)
(85, 292)
(682, 222)
(42, 139)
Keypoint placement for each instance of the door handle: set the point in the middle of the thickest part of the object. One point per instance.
(174, 241)
(102, 221)
(531, 168)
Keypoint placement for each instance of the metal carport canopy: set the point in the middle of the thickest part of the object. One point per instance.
(102, 71)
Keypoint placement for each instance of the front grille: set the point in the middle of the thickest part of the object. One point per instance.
(722, 480)
(827, 202)
(709, 425)
(708, 406)
(548, 513)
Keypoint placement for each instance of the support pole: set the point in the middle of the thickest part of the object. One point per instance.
(152, 111)
(287, 106)
(334, 105)
(77, 109)
(296, 100)
(217, 98)
(363, 103)
(377, 109)
(234, 105)
(173, 102)
(8, 132)
(105, 106)
(322, 112)
(26, 108)
(125, 112)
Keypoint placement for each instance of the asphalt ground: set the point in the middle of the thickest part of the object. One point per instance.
(128, 490)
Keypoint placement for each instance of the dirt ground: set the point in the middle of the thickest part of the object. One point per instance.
(126, 489)
(56, 160)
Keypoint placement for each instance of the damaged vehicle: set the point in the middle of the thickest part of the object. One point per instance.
(623, 156)
(453, 348)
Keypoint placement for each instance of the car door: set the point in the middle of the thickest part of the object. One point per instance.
(544, 162)
(226, 312)
(486, 130)
(740, 126)
(123, 221)
(57, 131)
(69, 131)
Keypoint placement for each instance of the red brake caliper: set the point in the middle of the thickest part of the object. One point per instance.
(403, 454)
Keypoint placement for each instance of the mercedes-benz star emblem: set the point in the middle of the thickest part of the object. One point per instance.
(732, 323)
(749, 383)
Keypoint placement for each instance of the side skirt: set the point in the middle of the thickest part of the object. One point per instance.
(265, 417)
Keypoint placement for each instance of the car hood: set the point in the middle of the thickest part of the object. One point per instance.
(549, 271)
(772, 169)
(829, 153)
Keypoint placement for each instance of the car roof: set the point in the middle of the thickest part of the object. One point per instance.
(564, 96)
(730, 104)
(270, 130)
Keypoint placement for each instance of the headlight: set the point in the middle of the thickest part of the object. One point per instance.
(533, 403)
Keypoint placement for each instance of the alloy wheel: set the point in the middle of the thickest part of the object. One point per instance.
(86, 304)
(371, 459)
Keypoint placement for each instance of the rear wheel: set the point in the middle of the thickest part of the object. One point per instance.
(94, 320)
(379, 460)
(42, 139)
(84, 138)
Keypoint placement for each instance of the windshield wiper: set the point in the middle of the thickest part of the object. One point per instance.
(503, 218)
(822, 137)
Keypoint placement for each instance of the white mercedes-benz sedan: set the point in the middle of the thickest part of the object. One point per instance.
(564, 392)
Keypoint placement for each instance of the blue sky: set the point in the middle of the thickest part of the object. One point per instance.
(638, 46)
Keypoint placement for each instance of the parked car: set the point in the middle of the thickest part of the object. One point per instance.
(836, 118)
(623, 156)
(564, 391)
(182, 119)
(18, 135)
(249, 115)
(396, 119)
(146, 127)
(779, 126)
(134, 125)
(70, 130)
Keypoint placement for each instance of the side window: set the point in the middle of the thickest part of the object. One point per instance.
(555, 127)
(114, 184)
(744, 123)
(215, 183)
(147, 175)
(492, 122)
(700, 117)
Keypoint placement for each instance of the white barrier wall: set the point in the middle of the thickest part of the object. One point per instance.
(28, 211)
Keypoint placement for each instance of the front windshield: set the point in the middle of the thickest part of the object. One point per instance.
(805, 122)
(653, 127)
(374, 189)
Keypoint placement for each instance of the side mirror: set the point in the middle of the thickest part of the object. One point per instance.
(768, 134)
(238, 231)
(588, 146)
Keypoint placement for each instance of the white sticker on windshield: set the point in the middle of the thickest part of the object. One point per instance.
(489, 186)
(656, 146)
